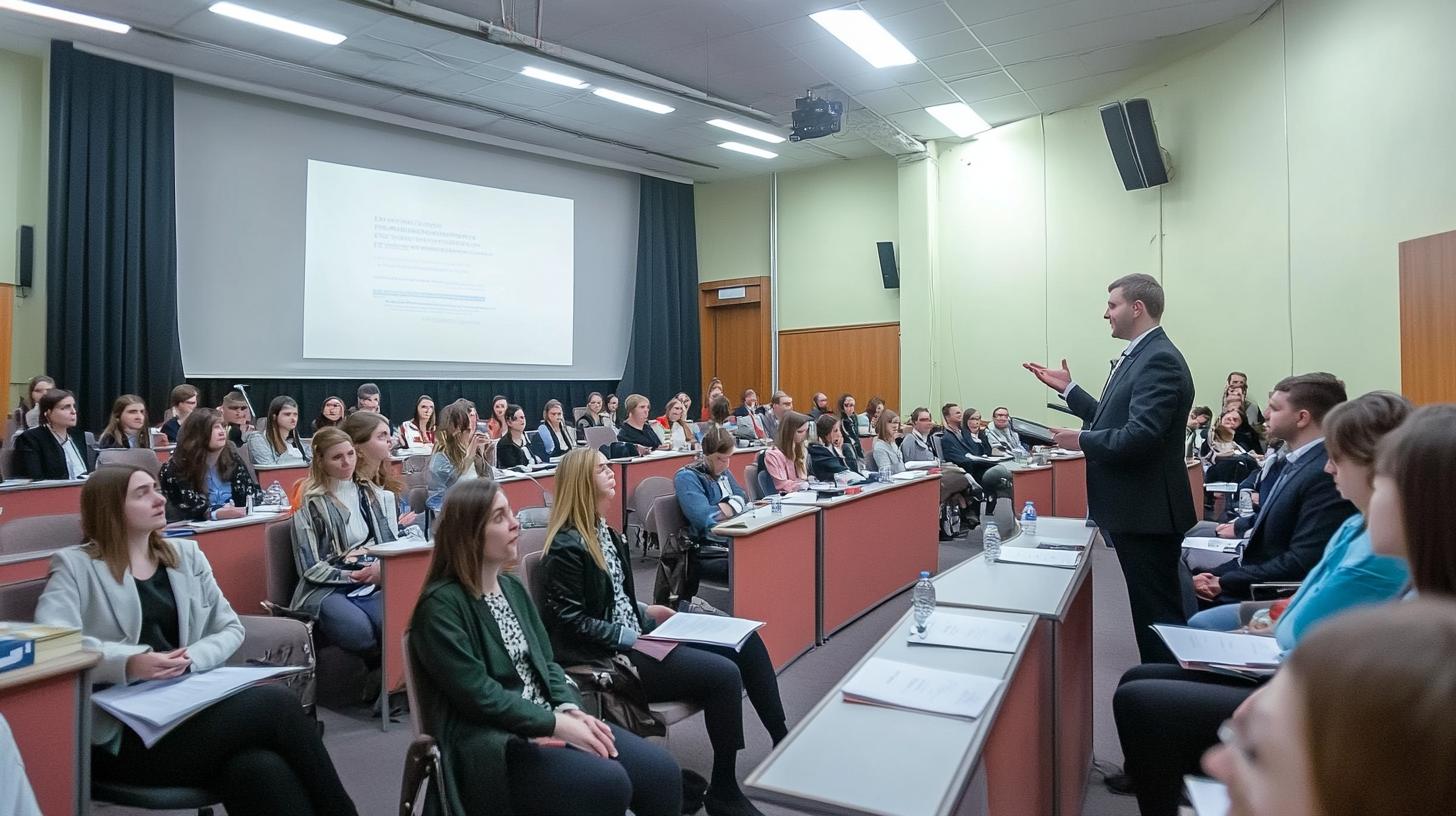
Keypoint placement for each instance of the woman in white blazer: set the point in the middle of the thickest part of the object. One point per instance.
(152, 609)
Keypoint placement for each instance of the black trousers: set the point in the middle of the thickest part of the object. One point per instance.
(257, 748)
(1150, 565)
(1167, 717)
(550, 781)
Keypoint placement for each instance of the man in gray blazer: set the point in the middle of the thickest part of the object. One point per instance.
(1137, 481)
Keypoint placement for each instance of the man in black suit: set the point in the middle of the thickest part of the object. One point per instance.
(1301, 509)
(1137, 481)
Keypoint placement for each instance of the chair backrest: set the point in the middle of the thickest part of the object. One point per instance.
(647, 492)
(33, 533)
(411, 689)
(597, 436)
(279, 563)
(750, 475)
(246, 454)
(935, 444)
(18, 601)
(533, 577)
(668, 522)
(531, 540)
(577, 413)
(144, 458)
(416, 471)
(11, 426)
(7, 461)
(417, 498)
(90, 440)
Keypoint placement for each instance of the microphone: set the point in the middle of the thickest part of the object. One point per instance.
(242, 388)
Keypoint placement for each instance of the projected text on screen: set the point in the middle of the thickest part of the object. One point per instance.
(401, 267)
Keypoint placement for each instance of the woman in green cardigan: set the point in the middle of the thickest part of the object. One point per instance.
(513, 737)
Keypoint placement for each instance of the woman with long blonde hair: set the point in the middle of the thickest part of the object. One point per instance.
(591, 613)
(460, 451)
(373, 444)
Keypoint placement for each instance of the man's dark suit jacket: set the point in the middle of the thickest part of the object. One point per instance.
(1296, 518)
(1137, 479)
(956, 446)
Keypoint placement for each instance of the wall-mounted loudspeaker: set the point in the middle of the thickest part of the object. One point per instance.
(1134, 141)
(889, 270)
(24, 258)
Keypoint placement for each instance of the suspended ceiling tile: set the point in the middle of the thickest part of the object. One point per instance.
(890, 100)
(408, 74)
(977, 60)
(881, 9)
(407, 33)
(986, 86)
(943, 44)
(1004, 109)
(923, 22)
(974, 12)
(1041, 73)
(510, 93)
(921, 125)
(926, 94)
(462, 46)
(1061, 17)
(1092, 90)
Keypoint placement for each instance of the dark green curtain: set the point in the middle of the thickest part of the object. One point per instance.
(112, 264)
(664, 355)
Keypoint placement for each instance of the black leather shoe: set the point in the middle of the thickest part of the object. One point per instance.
(1120, 784)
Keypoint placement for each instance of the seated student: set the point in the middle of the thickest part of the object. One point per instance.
(27, 411)
(848, 419)
(830, 454)
(687, 403)
(366, 398)
(555, 438)
(886, 452)
(715, 389)
(750, 404)
(779, 404)
(915, 445)
(55, 448)
(127, 427)
(1302, 510)
(341, 514)
(460, 452)
(331, 413)
(675, 429)
(1003, 438)
(956, 488)
(1240, 380)
(609, 413)
(866, 426)
(958, 445)
(205, 478)
(752, 422)
(150, 607)
(1355, 723)
(787, 462)
(514, 450)
(591, 613)
(419, 430)
(184, 402)
(593, 416)
(1220, 443)
(279, 443)
(499, 416)
(239, 418)
(373, 448)
(637, 429)
(1197, 430)
(718, 414)
(820, 405)
(708, 494)
(512, 733)
(1167, 717)
(1246, 434)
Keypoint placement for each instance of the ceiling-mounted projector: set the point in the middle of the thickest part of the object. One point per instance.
(815, 116)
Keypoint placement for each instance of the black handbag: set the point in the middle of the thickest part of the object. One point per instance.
(611, 690)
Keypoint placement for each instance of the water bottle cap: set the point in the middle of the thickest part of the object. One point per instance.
(925, 573)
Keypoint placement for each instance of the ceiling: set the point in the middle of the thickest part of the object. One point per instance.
(744, 60)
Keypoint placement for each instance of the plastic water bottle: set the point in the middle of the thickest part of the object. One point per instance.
(275, 495)
(1246, 502)
(922, 602)
(991, 543)
(776, 503)
(1028, 519)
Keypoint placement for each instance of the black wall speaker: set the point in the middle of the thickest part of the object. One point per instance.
(1133, 137)
(889, 270)
(25, 257)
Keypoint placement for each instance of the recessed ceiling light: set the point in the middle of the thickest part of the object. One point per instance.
(861, 32)
(753, 133)
(750, 150)
(273, 21)
(636, 102)
(551, 76)
(65, 16)
(959, 117)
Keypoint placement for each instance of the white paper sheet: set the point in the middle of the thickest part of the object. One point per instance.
(1208, 797)
(905, 476)
(691, 627)
(1212, 544)
(1228, 648)
(934, 691)
(969, 632)
(154, 707)
(1065, 559)
(921, 465)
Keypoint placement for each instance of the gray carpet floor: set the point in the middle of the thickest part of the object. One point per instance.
(370, 762)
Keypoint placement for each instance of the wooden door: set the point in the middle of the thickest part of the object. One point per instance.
(859, 360)
(736, 330)
(1427, 325)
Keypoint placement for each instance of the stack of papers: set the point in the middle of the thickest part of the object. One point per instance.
(155, 707)
(905, 476)
(1218, 545)
(921, 465)
(1221, 487)
(1209, 798)
(1224, 652)
(969, 632)
(893, 684)
(714, 630)
(1039, 557)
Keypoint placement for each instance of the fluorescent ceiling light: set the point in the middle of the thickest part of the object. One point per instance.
(273, 21)
(65, 16)
(761, 135)
(749, 149)
(636, 102)
(551, 76)
(858, 30)
(959, 117)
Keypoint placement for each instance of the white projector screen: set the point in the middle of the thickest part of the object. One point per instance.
(260, 296)
(440, 262)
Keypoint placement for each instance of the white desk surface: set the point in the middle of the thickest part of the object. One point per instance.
(760, 518)
(870, 489)
(1038, 590)
(854, 758)
(21, 485)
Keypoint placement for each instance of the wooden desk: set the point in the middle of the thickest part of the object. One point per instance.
(45, 498)
(1195, 486)
(1030, 483)
(286, 475)
(872, 545)
(238, 553)
(403, 567)
(772, 573)
(49, 711)
(522, 492)
(1069, 487)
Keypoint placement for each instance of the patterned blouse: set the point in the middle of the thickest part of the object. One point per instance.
(516, 646)
(624, 611)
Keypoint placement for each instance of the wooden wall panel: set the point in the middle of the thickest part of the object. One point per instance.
(7, 334)
(863, 360)
(1428, 318)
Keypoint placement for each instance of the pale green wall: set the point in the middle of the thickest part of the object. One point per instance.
(23, 200)
(733, 228)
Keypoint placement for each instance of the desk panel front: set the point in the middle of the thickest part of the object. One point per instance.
(48, 709)
(772, 573)
(1031, 484)
(524, 493)
(239, 559)
(874, 546)
(1069, 487)
(26, 502)
(401, 578)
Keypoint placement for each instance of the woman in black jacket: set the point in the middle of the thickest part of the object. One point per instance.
(591, 613)
(830, 453)
(515, 449)
(636, 430)
(55, 448)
